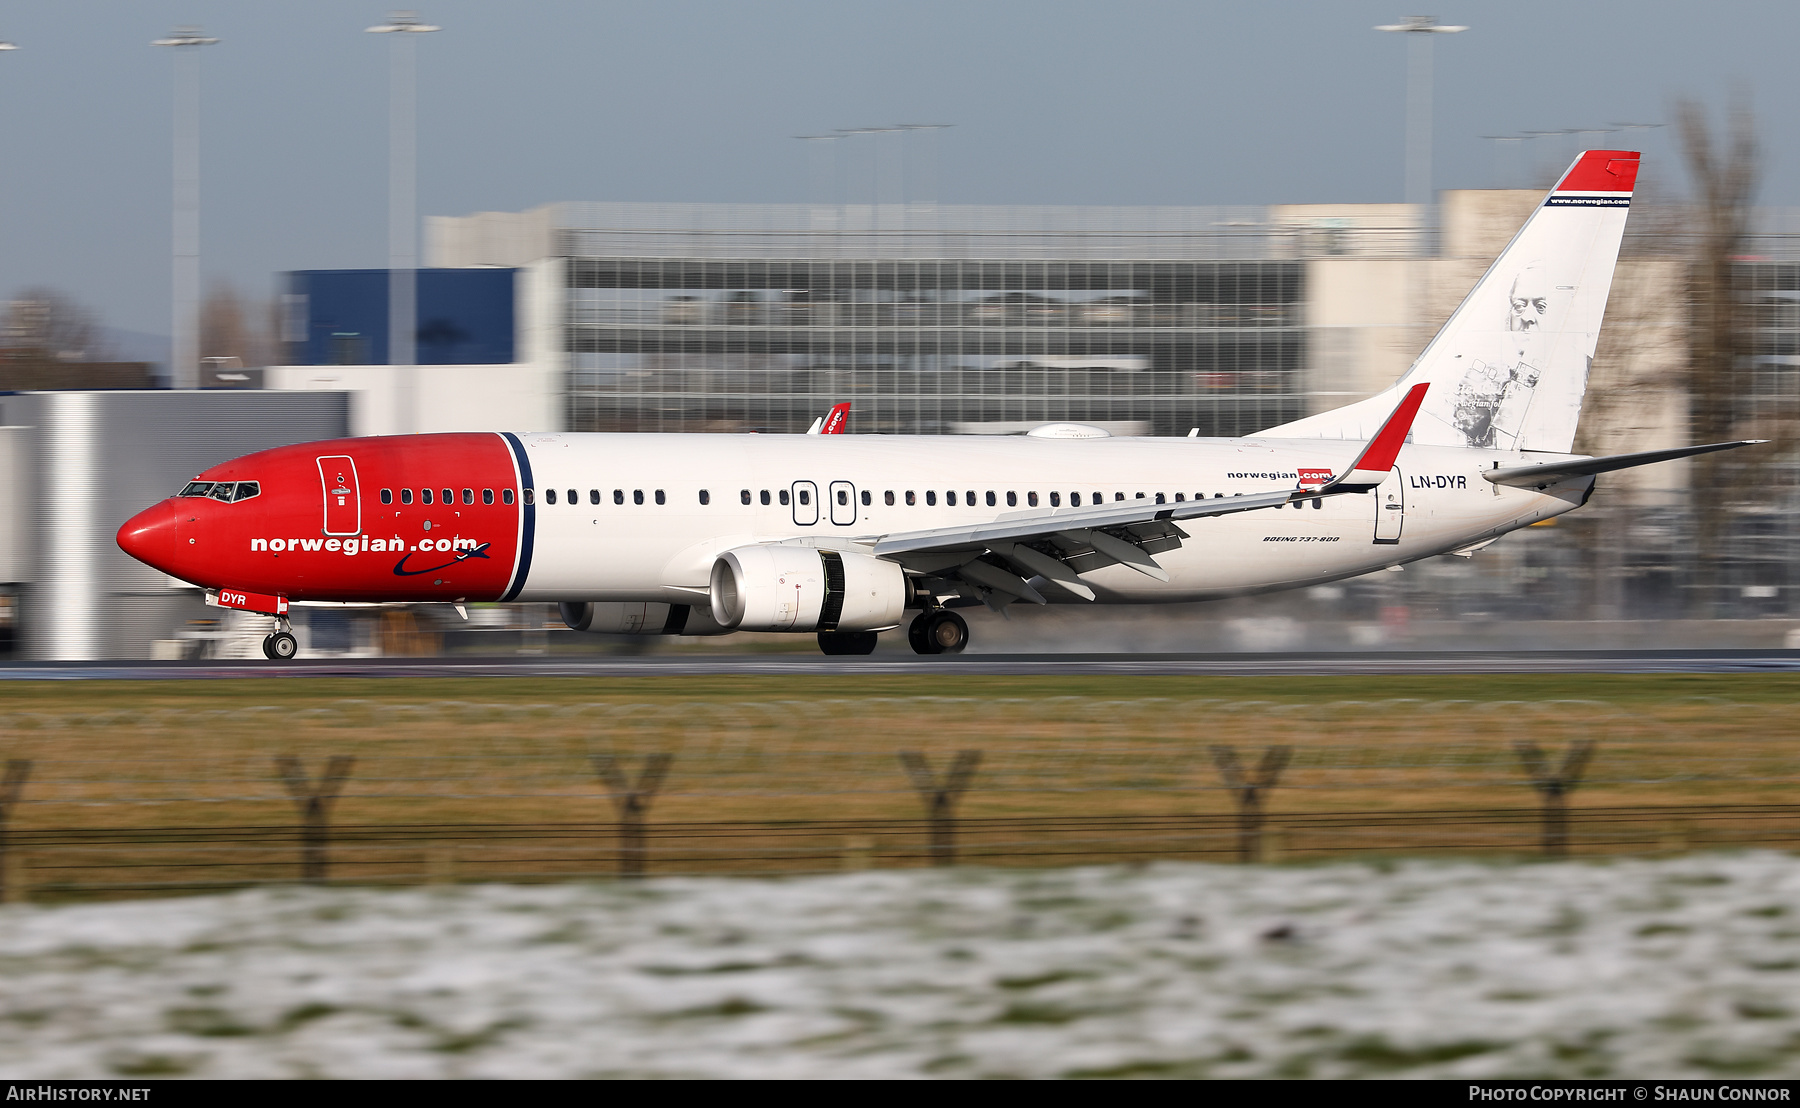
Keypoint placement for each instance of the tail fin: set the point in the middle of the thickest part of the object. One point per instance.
(1510, 367)
(832, 422)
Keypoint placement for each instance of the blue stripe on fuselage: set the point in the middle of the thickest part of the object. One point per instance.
(528, 533)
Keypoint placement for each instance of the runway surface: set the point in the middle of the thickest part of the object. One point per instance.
(1044, 665)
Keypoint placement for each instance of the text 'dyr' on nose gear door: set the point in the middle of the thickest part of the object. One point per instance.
(343, 503)
(843, 503)
(1390, 509)
(806, 503)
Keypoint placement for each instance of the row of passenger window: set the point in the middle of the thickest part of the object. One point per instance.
(618, 496)
(448, 496)
(243, 490)
(969, 497)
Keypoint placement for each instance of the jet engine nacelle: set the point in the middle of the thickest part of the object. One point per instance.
(804, 588)
(640, 619)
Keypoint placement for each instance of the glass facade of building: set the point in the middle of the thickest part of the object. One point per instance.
(958, 322)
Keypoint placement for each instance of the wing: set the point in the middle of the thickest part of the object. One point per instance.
(999, 562)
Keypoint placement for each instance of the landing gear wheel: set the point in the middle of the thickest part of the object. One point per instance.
(848, 642)
(915, 634)
(280, 647)
(938, 632)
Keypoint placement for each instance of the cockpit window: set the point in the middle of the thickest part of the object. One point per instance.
(225, 491)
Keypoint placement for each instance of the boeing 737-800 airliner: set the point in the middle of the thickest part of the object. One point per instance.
(846, 536)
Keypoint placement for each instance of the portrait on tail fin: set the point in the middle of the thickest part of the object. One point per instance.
(1494, 397)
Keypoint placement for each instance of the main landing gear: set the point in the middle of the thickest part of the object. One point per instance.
(938, 631)
(281, 646)
(935, 631)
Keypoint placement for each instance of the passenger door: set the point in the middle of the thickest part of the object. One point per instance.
(343, 500)
(843, 503)
(806, 503)
(1390, 509)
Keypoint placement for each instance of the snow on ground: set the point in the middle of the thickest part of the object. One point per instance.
(1640, 968)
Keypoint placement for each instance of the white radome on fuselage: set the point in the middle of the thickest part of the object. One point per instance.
(665, 552)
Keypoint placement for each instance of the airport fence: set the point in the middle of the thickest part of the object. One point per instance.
(135, 802)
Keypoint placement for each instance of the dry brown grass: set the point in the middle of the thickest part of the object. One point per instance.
(487, 761)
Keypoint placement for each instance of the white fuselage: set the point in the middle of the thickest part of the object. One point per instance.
(1434, 503)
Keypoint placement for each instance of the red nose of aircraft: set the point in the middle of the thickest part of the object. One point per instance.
(150, 537)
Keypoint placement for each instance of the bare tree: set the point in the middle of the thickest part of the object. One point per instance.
(1636, 396)
(48, 341)
(1724, 172)
(234, 327)
(43, 324)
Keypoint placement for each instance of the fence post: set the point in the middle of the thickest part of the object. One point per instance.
(1555, 786)
(314, 802)
(12, 885)
(941, 797)
(632, 799)
(1248, 792)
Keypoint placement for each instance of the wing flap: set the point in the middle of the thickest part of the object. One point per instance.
(1121, 551)
(993, 577)
(1045, 566)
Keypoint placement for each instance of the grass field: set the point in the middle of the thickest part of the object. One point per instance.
(149, 784)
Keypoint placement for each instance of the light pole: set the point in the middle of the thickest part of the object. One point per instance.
(403, 232)
(875, 134)
(821, 175)
(874, 161)
(184, 350)
(7, 46)
(929, 185)
(1419, 30)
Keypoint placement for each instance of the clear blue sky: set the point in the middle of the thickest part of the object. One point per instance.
(1054, 101)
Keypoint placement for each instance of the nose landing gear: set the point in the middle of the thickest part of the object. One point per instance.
(938, 631)
(281, 646)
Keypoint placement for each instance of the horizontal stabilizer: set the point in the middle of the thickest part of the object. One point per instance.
(1549, 473)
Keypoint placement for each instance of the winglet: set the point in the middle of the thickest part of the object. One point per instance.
(1372, 466)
